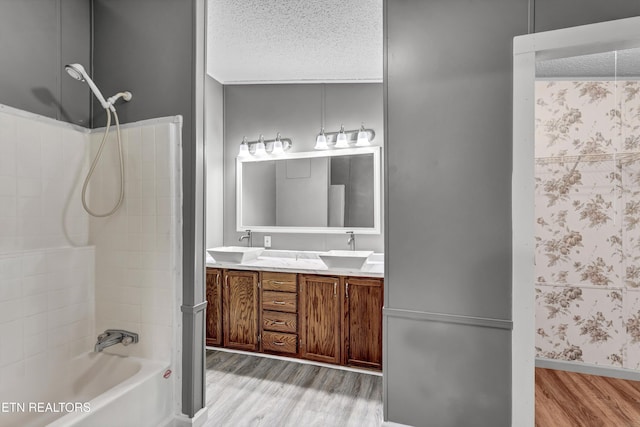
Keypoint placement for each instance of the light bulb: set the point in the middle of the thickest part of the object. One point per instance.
(363, 138)
(277, 146)
(341, 139)
(260, 147)
(321, 141)
(244, 148)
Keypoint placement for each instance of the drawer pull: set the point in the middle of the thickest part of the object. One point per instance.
(279, 302)
(280, 343)
(277, 282)
(278, 322)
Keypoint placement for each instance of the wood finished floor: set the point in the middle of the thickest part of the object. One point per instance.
(245, 390)
(578, 400)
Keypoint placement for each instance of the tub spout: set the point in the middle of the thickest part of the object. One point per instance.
(114, 336)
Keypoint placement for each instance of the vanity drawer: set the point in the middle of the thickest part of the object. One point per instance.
(282, 343)
(285, 282)
(280, 301)
(280, 322)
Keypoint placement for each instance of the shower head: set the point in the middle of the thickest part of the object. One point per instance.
(77, 72)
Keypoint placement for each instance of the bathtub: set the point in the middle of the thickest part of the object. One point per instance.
(96, 389)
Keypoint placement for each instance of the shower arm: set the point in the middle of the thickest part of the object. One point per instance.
(126, 95)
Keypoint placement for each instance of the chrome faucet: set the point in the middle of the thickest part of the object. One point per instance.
(352, 240)
(248, 237)
(114, 336)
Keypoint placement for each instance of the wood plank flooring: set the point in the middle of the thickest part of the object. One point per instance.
(244, 390)
(247, 391)
(578, 400)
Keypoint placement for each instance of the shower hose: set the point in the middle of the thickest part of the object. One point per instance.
(96, 159)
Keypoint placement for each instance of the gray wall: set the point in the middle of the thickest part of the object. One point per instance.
(296, 111)
(448, 210)
(448, 206)
(214, 145)
(146, 47)
(37, 38)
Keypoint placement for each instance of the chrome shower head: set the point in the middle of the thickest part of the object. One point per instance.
(76, 71)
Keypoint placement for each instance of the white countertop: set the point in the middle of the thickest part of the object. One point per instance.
(301, 262)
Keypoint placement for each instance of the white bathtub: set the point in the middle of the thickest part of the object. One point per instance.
(96, 389)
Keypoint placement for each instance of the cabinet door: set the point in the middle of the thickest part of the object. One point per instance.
(363, 299)
(320, 318)
(214, 307)
(241, 310)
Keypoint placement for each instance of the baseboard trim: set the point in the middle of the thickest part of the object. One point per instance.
(586, 368)
(448, 318)
(198, 419)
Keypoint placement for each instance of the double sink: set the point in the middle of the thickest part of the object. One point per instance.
(334, 259)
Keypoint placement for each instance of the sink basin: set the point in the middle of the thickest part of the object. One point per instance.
(345, 259)
(234, 254)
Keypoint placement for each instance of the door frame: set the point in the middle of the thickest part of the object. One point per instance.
(567, 42)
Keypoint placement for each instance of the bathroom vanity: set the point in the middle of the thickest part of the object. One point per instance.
(297, 307)
(319, 306)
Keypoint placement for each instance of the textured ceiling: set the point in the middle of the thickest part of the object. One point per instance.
(252, 41)
(622, 63)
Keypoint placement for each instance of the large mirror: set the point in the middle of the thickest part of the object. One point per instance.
(318, 192)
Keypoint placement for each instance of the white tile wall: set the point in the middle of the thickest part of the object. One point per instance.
(56, 292)
(46, 308)
(46, 269)
(41, 162)
(137, 248)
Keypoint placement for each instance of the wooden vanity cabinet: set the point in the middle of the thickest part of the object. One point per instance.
(240, 308)
(279, 313)
(320, 316)
(362, 322)
(330, 319)
(214, 306)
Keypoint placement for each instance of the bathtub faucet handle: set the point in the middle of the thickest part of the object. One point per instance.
(114, 336)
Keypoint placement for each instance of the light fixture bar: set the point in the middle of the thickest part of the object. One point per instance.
(352, 135)
(278, 143)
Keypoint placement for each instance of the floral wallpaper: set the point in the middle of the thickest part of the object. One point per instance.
(587, 231)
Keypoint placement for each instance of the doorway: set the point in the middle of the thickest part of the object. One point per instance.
(252, 92)
(570, 314)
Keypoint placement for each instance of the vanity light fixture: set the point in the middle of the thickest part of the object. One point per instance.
(277, 146)
(341, 139)
(263, 147)
(244, 148)
(363, 138)
(321, 141)
(345, 138)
